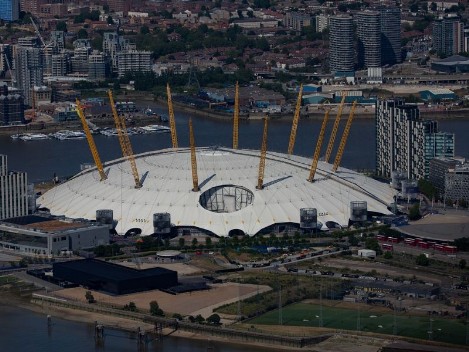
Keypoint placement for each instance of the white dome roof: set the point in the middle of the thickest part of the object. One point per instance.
(167, 188)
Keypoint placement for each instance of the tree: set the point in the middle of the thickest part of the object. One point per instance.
(194, 242)
(82, 34)
(208, 242)
(182, 242)
(387, 255)
(155, 309)
(89, 297)
(433, 6)
(462, 263)
(414, 212)
(131, 307)
(199, 319)
(144, 30)
(372, 243)
(427, 188)
(110, 20)
(61, 26)
(422, 260)
(214, 319)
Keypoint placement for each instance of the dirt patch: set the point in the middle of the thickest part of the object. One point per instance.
(193, 303)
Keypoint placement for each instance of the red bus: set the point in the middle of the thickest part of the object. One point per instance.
(410, 242)
(381, 238)
(393, 239)
(387, 247)
(450, 249)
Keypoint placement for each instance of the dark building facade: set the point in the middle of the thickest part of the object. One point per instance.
(114, 278)
(11, 107)
(390, 35)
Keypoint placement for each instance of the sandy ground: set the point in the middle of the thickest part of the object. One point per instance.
(198, 302)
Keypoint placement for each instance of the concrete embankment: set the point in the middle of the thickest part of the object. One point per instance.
(248, 337)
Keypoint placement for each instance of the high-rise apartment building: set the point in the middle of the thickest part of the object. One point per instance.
(448, 36)
(29, 70)
(113, 44)
(297, 20)
(369, 39)
(133, 61)
(322, 22)
(405, 142)
(341, 38)
(9, 10)
(390, 35)
(98, 67)
(439, 167)
(13, 191)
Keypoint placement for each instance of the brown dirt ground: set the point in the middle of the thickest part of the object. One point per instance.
(197, 302)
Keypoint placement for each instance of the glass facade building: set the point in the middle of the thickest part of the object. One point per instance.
(9, 10)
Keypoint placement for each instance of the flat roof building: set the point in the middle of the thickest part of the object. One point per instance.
(48, 236)
(114, 278)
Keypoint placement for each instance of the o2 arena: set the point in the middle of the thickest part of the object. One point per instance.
(227, 202)
(218, 191)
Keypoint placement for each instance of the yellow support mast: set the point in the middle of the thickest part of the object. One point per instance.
(236, 118)
(172, 121)
(260, 179)
(195, 178)
(89, 138)
(334, 129)
(296, 118)
(317, 152)
(344, 138)
(124, 140)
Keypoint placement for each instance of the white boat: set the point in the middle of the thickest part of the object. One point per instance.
(16, 136)
(65, 135)
(156, 128)
(33, 137)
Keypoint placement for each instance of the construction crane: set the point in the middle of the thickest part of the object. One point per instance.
(296, 117)
(172, 122)
(36, 29)
(260, 179)
(236, 118)
(195, 178)
(89, 138)
(343, 140)
(124, 140)
(334, 129)
(317, 152)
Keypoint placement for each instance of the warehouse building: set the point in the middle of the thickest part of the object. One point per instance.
(114, 278)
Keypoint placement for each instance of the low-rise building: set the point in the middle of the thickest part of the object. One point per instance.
(48, 236)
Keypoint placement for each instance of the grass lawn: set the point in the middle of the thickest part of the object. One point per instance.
(303, 314)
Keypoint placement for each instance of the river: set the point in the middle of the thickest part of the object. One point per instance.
(26, 331)
(41, 159)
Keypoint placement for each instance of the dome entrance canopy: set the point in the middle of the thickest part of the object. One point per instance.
(226, 198)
